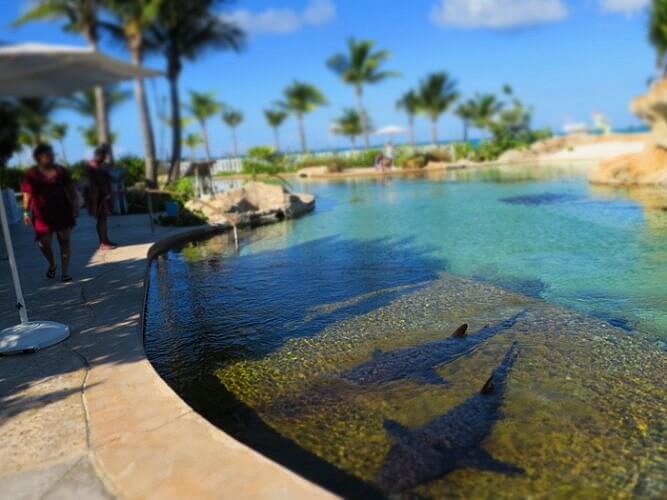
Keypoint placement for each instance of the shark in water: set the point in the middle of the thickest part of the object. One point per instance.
(418, 363)
(449, 442)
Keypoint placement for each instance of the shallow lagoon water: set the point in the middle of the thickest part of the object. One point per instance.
(259, 343)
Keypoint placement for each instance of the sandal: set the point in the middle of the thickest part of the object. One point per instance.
(66, 278)
(51, 273)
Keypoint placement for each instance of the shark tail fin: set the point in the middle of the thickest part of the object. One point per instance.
(505, 366)
(460, 332)
(395, 429)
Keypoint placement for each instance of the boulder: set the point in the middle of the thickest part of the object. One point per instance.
(650, 166)
(517, 155)
(254, 203)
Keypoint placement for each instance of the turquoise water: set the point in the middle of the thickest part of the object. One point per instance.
(324, 343)
(599, 251)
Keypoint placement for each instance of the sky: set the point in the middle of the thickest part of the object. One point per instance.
(565, 58)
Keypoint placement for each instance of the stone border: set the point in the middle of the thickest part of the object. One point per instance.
(148, 443)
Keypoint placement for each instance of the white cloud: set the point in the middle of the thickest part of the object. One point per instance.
(281, 21)
(497, 14)
(624, 6)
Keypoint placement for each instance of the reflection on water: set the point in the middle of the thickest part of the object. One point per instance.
(327, 343)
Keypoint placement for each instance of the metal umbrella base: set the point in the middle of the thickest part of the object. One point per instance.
(31, 337)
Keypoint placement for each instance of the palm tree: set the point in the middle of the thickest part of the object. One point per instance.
(90, 136)
(350, 124)
(479, 111)
(80, 17)
(358, 67)
(203, 106)
(436, 94)
(275, 119)
(300, 99)
(233, 119)
(58, 132)
(193, 141)
(411, 104)
(84, 102)
(34, 117)
(132, 21)
(658, 34)
(183, 31)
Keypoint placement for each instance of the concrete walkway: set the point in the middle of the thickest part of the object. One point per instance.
(90, 418)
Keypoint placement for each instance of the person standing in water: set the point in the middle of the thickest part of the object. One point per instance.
(50, 205)
(98, 194)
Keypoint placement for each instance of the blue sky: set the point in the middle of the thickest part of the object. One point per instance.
(567, 58)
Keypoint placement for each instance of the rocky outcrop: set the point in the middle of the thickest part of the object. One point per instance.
(650, 166)
(253, 204)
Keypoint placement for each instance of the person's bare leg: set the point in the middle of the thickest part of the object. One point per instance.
(64, 240)
(44, 244)
(102, 229)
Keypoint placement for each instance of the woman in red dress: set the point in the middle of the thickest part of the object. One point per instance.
(98, 194)
(49, 204)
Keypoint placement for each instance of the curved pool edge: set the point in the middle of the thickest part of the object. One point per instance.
(146, 442)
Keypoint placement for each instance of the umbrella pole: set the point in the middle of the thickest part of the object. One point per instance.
(28, 336)
(20, 302)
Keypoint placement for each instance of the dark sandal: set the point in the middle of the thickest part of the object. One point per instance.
(66, 278)
(51, 273)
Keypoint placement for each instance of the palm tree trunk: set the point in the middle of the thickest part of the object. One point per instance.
(362, 115)
(101, 107)
(204, 136)
(411, 130)
(465, 131)
(62, 151)
(434, 130)
(235, 142)
(276, 136)
(302, 133)
(176, 132)
(150, 169)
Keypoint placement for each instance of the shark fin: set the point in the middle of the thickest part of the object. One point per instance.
(395, 430)
(481, 460)
(460, 332)
(490, 386)
(428, 376)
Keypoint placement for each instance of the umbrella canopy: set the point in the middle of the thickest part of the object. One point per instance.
(41, 70)
(391, 130)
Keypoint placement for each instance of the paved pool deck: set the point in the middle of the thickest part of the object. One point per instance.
(90, 418)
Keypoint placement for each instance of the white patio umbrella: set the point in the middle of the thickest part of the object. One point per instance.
(391, 131)
(39, 70)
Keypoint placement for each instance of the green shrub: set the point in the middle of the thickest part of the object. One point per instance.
(264, 160)
(135, 169)
(183, 189)
(413, 162)
(463, 151)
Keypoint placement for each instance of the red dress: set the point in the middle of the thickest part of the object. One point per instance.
(51, 207)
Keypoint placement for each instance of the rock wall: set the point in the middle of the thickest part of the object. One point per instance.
(650, 166)
(254, 203)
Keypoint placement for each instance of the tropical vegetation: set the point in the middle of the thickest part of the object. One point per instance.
(183, 31)
(202, 106)
(351, 125)
(79, 16)
(275, 118)
(437, 93)
(233, 119)
(301, 98)
(358, 67)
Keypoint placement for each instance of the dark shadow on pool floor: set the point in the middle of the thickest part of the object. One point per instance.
(205, 313)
